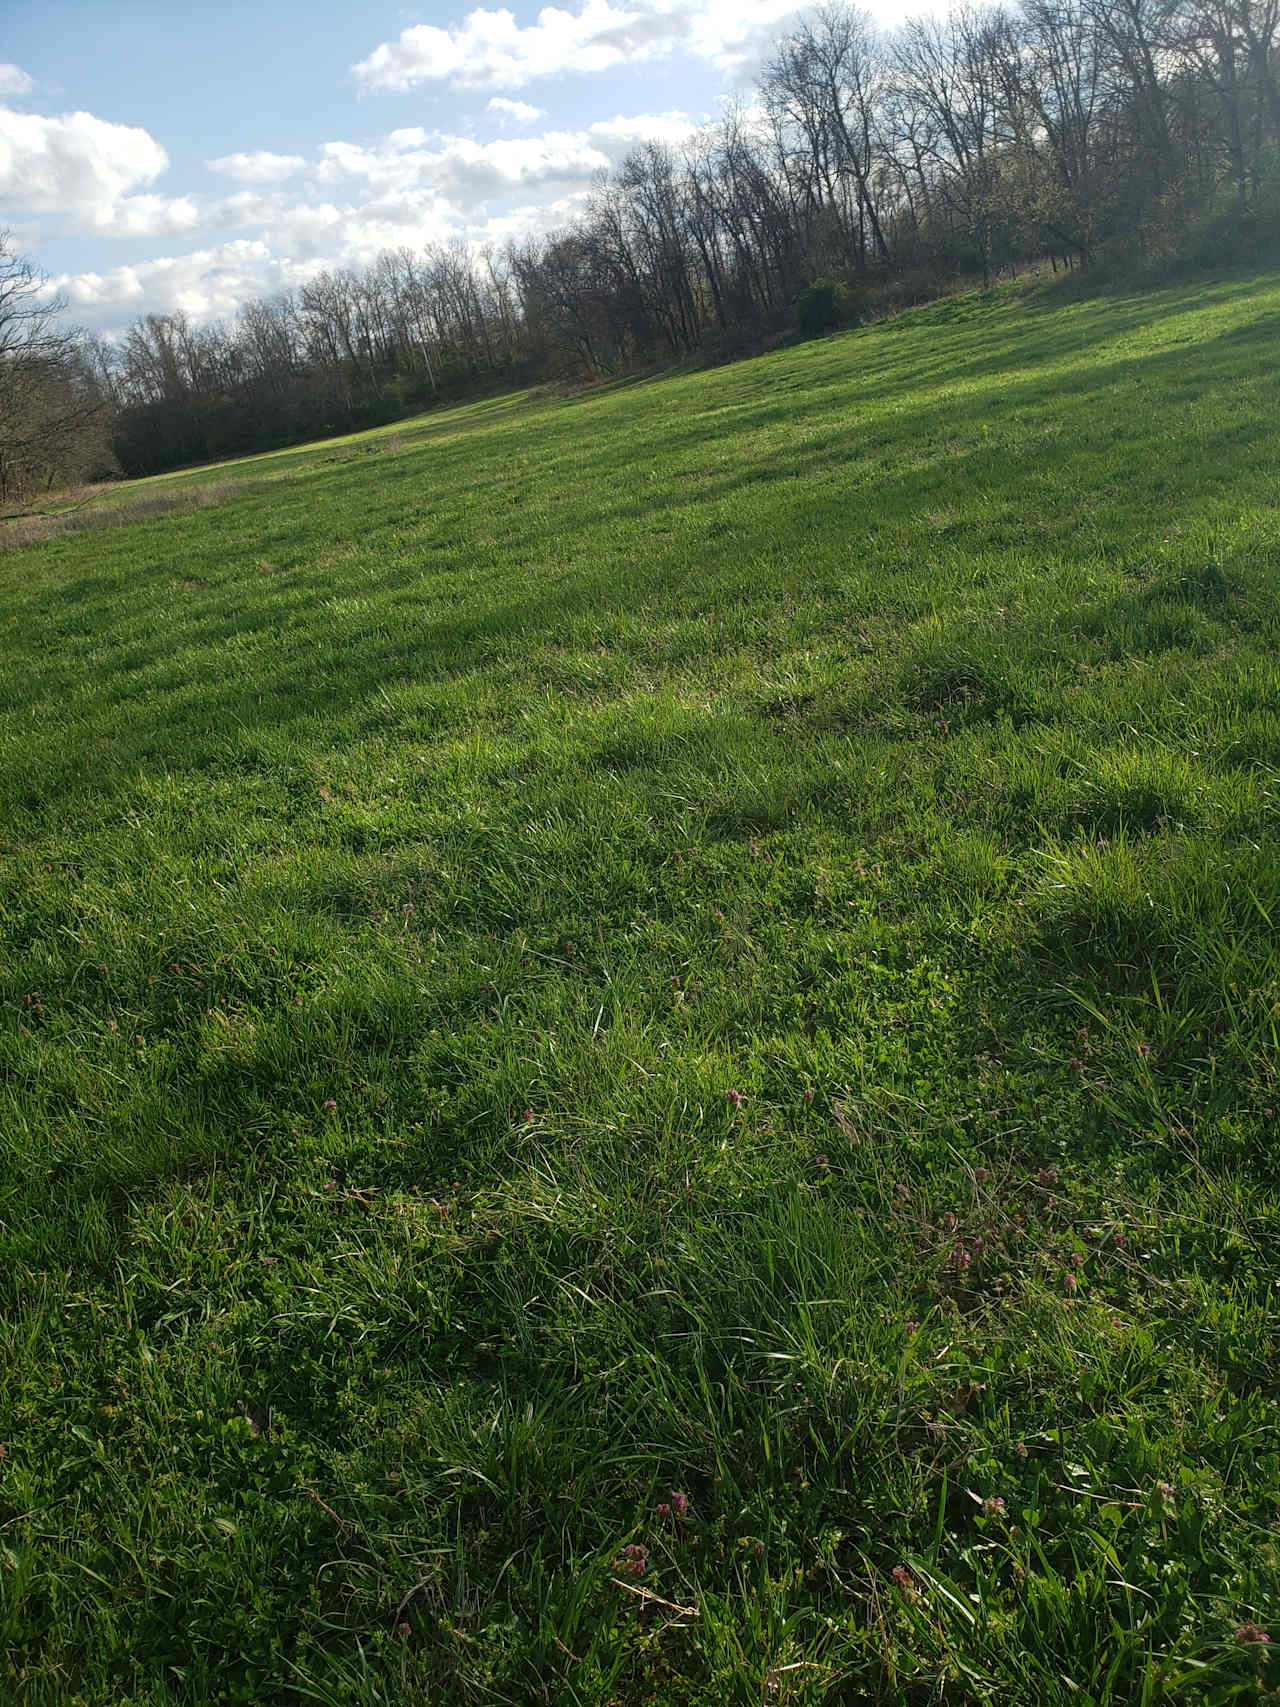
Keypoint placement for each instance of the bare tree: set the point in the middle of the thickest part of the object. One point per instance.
(51, 408)
(956, 82)
(826, 80)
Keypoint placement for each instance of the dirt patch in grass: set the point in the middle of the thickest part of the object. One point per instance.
(97, 511)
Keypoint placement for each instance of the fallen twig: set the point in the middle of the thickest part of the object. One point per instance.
(648, 1594)
(341, 1522)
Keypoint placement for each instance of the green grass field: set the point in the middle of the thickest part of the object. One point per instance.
(716, 939)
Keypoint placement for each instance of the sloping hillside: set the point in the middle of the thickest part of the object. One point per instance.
(638, 1041)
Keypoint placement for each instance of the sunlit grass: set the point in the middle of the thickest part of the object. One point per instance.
(714, 937)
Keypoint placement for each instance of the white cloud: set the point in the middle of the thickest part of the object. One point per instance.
(520, 112)
(151, 216)
(259, 167)
(74, 164)
(14, 80)
(205, 283)
(460, 168)
(355, 234)
(89, 173)
(622, 134)
(489, 50)
(245, 207)
(466, 172)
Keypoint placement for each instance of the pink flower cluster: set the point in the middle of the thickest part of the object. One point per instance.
(1251, 1632)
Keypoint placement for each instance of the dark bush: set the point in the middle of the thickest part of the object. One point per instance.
(822, 306)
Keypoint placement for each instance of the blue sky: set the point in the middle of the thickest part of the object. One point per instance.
(154, 157)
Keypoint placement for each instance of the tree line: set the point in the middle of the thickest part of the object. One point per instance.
(871, 169)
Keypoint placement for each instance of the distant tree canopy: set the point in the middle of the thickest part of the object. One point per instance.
(54, 425)
(872, 169)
